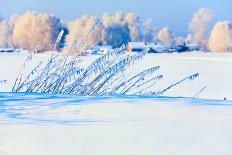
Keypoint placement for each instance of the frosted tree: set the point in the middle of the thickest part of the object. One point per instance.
(118, 18)
(189, 38)
(199, 26)
(12, 22)
(4, 34)
(115, 35)
(9, 28)
(79, 30)
(33, 29)
(134, 26)
(111, 30)
(115, 29)
(165, 36)
(221, 37)
(148, 31)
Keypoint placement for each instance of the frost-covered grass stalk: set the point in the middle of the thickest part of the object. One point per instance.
(191, 77)
(18, 80)
(105, 75)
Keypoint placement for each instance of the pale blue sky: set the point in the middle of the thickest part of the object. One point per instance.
(172, 13)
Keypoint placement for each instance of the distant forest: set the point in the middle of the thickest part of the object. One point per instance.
(40, 30)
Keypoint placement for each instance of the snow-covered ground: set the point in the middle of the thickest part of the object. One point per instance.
(215, 70)
(114, 125)
(48, 124)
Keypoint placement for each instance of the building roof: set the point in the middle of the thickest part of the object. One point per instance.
(137, 44)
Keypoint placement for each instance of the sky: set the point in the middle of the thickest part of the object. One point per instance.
(176, 14)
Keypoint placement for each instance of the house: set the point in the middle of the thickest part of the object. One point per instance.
(187, 47)
(193, 47)
(105, 49)
(158, 48)
(153, 48)
(182, 48)
(9, 50)
(136, 46)
(100, 50)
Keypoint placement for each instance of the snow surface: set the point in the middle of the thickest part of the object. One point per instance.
(49, 124)
(215, 71)
(38, 124)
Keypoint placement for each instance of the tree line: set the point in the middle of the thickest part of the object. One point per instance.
(34, 29)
